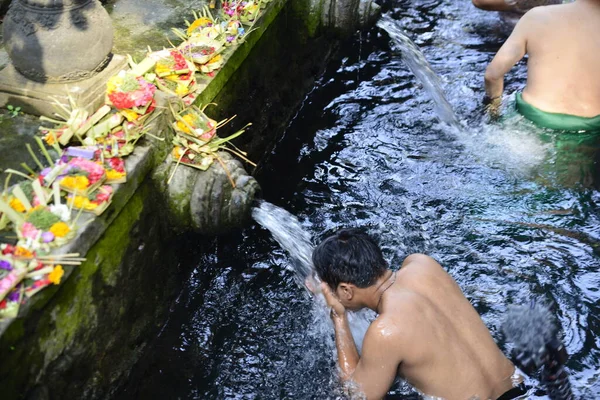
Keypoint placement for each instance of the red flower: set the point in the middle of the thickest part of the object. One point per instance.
(3, 304)
(117, 164)
(9, 249)
(121, 100)
(180, 62)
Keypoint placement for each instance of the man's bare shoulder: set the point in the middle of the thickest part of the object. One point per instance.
(543, 14)
(417, 262)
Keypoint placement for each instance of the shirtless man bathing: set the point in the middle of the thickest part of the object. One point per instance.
(563, 79)
(427, 331)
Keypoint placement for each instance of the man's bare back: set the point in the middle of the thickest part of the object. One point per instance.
(563, 44)
(444, 348)
(427, 331)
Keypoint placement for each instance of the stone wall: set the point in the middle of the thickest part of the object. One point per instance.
(80, 339)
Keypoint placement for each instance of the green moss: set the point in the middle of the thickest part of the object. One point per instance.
(310, 13)
(73, 311)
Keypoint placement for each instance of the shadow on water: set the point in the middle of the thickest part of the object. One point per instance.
(503, 208)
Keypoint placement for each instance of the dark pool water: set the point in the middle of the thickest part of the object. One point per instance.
(511, 213)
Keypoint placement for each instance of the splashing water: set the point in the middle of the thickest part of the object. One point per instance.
(420, 67)
(288, 232)
(291, 236)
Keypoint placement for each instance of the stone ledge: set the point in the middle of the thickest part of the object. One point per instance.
(147, 156)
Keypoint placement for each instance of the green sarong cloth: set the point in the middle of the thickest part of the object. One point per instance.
(564, 122)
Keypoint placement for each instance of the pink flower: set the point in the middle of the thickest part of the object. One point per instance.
(29, 231)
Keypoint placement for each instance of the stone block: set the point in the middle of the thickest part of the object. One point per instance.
(37, 98)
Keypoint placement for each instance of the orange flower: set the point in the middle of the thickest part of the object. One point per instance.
(23, 252)
(60, 229)
(50, 138)
(56, 274)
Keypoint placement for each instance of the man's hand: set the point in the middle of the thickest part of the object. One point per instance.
(492, 107)
(337, 308)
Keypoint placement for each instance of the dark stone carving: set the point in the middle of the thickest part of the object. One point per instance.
(58, 40)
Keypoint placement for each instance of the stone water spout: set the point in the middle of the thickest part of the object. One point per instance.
(206, 201)
(346, 16)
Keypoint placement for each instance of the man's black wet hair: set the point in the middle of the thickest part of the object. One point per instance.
(351, 256)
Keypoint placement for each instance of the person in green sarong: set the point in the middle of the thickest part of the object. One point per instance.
(563, 83)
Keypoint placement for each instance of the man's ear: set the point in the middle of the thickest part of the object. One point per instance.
(346, 291)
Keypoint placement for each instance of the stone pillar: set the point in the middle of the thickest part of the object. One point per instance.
(346, 16)
(58, 48)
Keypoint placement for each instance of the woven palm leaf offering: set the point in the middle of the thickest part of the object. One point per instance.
(174, 73)
(234, 31)
(246, 11)
(196, 144)
(204, 25)
(96, 202)
(132, 95)
(24, 272)
(75, 175)
(113, 166)
(43, 227)
(200, 50)
(70, 121)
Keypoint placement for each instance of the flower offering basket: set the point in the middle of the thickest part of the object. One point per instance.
(96, 202)
(132, 95)
(23, 273)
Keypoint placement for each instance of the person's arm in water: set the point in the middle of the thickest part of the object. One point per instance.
(493, 5)
(511, 52)
(375, 371)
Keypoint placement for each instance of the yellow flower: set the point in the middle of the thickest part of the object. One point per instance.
(79, 182)
(215, 59)
(181, 90)
(198, 23)
(60, 229)
(112, 174)
(189, 118)
(56, 274)
(176, 152)
(130, 115)
(83, 202)
(162, 69)
(17, 205)
(113, 83)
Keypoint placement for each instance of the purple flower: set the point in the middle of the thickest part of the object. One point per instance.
(47, 237)
(5, 265)
(13, 295)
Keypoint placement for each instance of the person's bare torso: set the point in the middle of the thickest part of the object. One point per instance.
(563, 44)
(447, 350)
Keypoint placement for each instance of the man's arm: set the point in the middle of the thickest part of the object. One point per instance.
(511, 52)
(375, 371)
(378, 367)
(493, 5)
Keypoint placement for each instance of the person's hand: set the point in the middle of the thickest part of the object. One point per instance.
(337, 308)
(493, 107)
